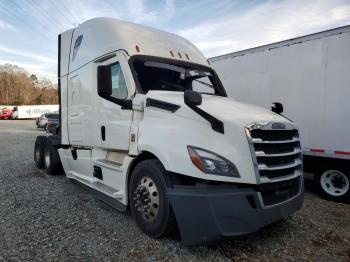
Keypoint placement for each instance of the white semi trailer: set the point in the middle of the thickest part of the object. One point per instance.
(146, 123)
(33, 111)
(309, 77)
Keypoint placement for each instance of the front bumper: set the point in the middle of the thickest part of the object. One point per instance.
(209, 214)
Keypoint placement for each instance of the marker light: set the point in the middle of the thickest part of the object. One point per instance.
(211, 163)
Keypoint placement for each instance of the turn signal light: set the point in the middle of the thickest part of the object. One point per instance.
(195, 159)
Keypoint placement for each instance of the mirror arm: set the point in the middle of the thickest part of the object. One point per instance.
(216, 124)
(193, 99)
(124, 103)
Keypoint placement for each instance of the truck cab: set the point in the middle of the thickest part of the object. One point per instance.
(146, 123)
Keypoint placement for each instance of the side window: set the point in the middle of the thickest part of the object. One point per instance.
(119, 88)
(76, 46)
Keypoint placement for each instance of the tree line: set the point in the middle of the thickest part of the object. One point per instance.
(18, 87)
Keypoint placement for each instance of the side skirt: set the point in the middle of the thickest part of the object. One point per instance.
(106, 199)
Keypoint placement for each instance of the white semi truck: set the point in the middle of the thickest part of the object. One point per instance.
(308, 77)
(146, 123)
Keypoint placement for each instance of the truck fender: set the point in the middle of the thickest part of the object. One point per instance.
(157, 153)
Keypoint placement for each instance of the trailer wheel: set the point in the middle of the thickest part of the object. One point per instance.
(149, 204)
(52, 162)
(334, 185)
(39, 147)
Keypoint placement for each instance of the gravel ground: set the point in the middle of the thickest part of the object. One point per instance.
(50, 218)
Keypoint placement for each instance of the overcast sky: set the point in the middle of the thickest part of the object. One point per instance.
(29, 28)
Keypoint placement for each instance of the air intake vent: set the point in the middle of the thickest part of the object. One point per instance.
(274, 193)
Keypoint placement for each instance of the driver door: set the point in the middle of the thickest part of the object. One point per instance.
(114, 119)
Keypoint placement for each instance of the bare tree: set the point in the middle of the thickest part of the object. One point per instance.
(18, 87)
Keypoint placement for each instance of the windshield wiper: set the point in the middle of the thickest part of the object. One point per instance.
(204, 83)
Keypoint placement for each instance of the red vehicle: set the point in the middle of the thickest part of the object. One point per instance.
(5, 113)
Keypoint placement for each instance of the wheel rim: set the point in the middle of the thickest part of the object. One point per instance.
(146, 199)
(335, 183)
(47, 158)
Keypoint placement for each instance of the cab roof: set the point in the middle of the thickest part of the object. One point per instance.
(99, 36)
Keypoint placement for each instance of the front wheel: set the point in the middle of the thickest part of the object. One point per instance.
(149, 204)
(334, 185)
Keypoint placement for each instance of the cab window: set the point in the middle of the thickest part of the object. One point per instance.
(119, 88)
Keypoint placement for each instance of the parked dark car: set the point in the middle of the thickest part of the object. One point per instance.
(52, 124)
(42, 120)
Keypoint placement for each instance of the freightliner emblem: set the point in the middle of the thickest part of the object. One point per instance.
(278, 126)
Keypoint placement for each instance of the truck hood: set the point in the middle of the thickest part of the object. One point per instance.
(172, 128)
(226, 109)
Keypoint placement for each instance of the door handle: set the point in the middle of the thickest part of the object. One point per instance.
(103, 133)
(74, 114)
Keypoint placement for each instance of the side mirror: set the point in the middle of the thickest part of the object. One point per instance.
(104, 81)
(192, 98)
(277, 108)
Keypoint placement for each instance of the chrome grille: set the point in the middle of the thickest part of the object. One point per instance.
(276, 152)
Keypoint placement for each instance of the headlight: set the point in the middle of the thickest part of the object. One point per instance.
(211, 163)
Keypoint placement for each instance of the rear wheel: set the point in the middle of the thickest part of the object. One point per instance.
(39, 148)
(334, 185)
(149, 204)
(52, 162)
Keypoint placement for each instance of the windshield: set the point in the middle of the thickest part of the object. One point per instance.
(176, 76)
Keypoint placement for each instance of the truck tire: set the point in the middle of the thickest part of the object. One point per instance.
(52, 162)
(39, 147)
(149, 204)
(334, 185)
